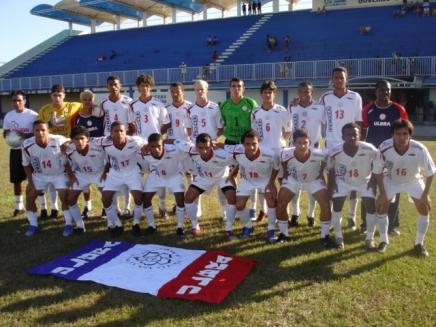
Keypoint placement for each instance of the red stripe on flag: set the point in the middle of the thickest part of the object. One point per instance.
(210, 278)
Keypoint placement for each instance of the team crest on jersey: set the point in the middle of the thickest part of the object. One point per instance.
(382, 116)
(341, 170)
(244, 108)
(89, 123)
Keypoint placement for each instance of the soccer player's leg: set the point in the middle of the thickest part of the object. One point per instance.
(271, 201)
(338, 204)
(113, 222)
(180, 212)
(352, 207)
(191, 195)
(68, 228)
(88, 203)
(423, 206)
(322, 197)
(138, 195)
(296, 210)
(51, 189)
(72, 197)
(371, 221)
(17, 176)
(286, 194)
(148, 212)
(32, 193)
(382, 207)
(311, 211)
(242, 212)
(229, 192)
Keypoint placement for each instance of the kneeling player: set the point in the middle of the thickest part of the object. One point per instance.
(165, 171)
(211, 169)
(258, 168)
(86, 162)
(303, 169)
(351, 166)
(44, 164)
(404, 165)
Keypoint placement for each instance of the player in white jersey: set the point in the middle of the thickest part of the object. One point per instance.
(86, 164)
(44, 164)
(351, 166)
(303, 169)
(404, 165)
(164, 164)
(211, 167)
(309, 115)
(181, 127)
(258, 167)
(18, 121)
(342, 106)
(122, 153)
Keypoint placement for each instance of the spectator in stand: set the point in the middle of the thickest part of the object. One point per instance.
(183, 69)
(259, 7)
(365, 30)
(426, 8)
(101, 57)
(209, 40)
(215, 40)
(214, 55)
(249, 8)
(254, 7)
(244, 9)
(113, 54)
(286, 41)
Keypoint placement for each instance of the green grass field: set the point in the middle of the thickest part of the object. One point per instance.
(294, 284)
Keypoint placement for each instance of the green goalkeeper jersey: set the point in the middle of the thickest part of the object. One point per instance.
(237, 118)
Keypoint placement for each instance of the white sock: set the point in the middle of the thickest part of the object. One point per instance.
(137, 213)
(283, 226)
(262, 202)
(42, 202)
(272, 217)
(198, 203)
(296, 210)
(311, 207)
(53, 197)
(32, 217)
(111, 214)
(325, 228)
(230, 213)
(371, 223)
(352, 207)
(19, 202)
(116, 200)
(162, 197)
(180, 213)
(253, 200)
(421, 228)
(383, 224)
(337, 224)
(88, 204)
(223, 202)
(191, 209)
(67, 216)
(127, 198)
(77, 216)
(148, 212)
(244, 215)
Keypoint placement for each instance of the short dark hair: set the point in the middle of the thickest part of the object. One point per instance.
(382, 82)
(112, 78)
(147, 79)
(203, 138)
(300, 132)
(236, 79)
(402, 123)
(251, 134)
(79, 130)
(39, 122)
(155, 137)
(349, 126)
(268, 85)
(116, 123)
(18, 92)
(57, 88)
(305, 84)
(340, 69)
(177, 84)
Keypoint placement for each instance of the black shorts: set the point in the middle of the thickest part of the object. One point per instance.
(16, 170)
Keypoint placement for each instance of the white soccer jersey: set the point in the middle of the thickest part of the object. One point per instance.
(45, 161)
(150, 116)
(303, 172)
(410, 166)
(257, 171)
(92, 162)
(169, 165)
(117, 111)
(354, 170)
(205, 119)
(338, 112)
(180, 121)
(271, 124)
(123, 161)
(20, 121)
(310, 118)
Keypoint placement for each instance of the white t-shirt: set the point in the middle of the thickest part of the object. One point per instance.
(150, 116)
(169, 165)
(338, 112)
(92, 162)
(117, 111)
(412, 165)
(180, 121)
(45, 161)
(303, 172)
(354, 170)
(271, 124)
(310, 118)
(20, 121)
(205, 119)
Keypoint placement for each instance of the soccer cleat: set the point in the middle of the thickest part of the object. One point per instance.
(103, 214)
(246, 231)
(310, 221)
(163, 213)
(68, 231)
(382, 247)
(370, 245)
(230, 235)
(394, 232)
(18, 212)
(85, 213)
(420, 251)
(150, 230)
(44, 214)
(79, 231)
(195, 232)
(136, 230)
(252, 214)
(180, 232)
(118, 230)
(282, 238)
(54, 213)
(126, 214)
(261, 216)
(31, 230)
(339, 242)
(270, 234)
(328, 242)
(351, 224)
(293, 222)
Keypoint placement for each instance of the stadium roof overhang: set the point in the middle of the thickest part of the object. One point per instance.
(49, 11)
(113, 8)
(148, 7)
(185, 5)
(74, 7)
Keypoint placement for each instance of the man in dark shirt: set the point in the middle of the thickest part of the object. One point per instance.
(377, 117)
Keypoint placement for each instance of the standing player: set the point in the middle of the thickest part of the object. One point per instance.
(44, 164)
(342, 106)
(19, 121)
(181, 128)
(303, 169)
(151, 117)
(404, 165)
(309, 115)
(378, 117)
(351, 167)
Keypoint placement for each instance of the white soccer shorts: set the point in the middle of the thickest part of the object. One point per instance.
(155, 183)
(344, 189)
(42, 182)
(311, 187)
(115, 182)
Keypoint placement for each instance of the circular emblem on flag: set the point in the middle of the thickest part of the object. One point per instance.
(382, 116)
(160, 258)
(244, 108)
(89, 123)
